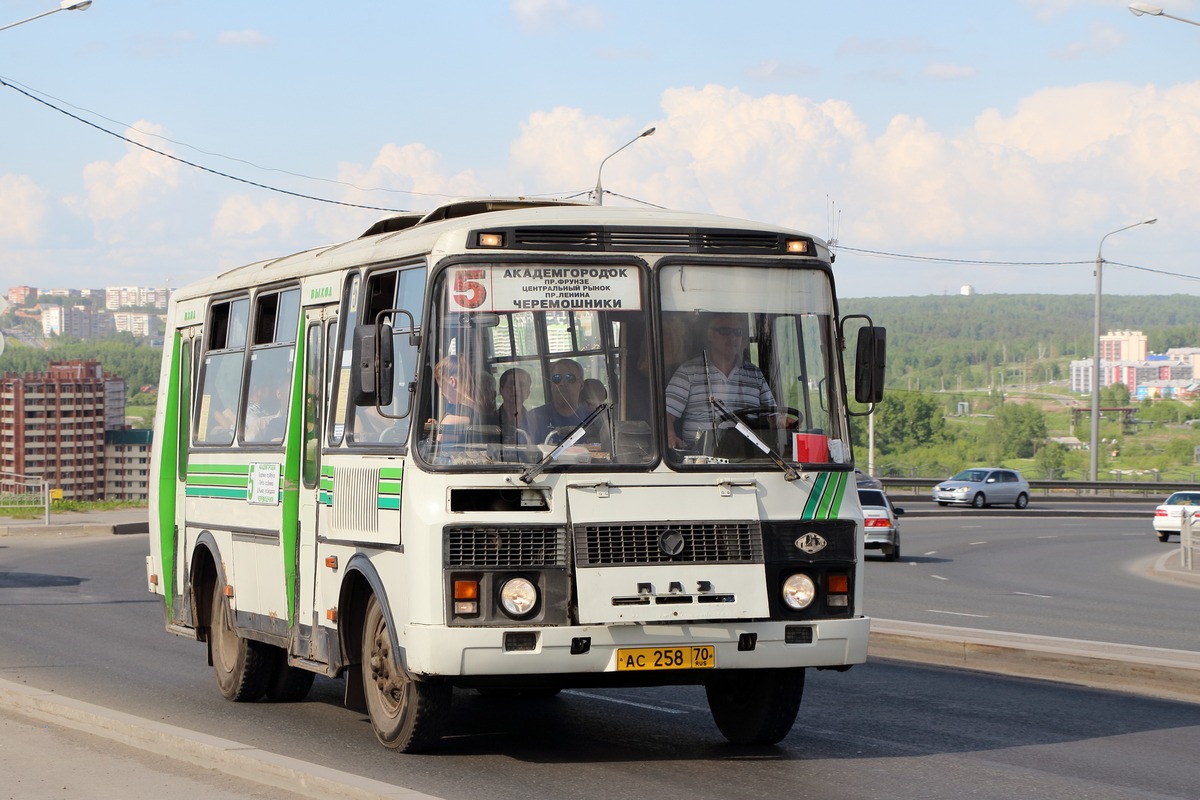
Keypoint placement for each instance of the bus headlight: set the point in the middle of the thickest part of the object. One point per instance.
(799, 591)
(518, 596)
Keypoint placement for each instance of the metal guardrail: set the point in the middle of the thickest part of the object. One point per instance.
(25, 491)
(1081, 489)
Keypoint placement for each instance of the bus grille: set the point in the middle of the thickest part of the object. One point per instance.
(480, 546)
(630, 544)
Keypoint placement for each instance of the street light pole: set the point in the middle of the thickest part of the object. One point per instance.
(599, 191)
(1137, 9)
(1094, 445)
(65, 5)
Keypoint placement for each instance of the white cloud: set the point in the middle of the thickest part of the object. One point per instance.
(22, 209)
(949, 71)
(246, 38)
(242, 216)
(138, 180)
(544, 16)
(1066, 163)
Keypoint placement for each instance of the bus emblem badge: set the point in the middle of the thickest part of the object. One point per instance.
(671, 542)
(811, 543)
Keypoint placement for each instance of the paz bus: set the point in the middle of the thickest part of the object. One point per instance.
(515, 446)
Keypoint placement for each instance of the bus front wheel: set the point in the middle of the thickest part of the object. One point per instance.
(756, 707)
(407, 714)
(243, 666)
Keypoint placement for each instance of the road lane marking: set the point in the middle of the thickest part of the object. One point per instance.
(972, 544)
(1030, 594)
(1049, 536)
(929, 553)
(956, 613)
(939, 577)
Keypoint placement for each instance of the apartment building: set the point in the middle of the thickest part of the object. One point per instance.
(127, 464)
(52, 424)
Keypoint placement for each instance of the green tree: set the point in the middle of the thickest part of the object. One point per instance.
(1116, 394)
(1017, 430)
(905, 420)
(1051, 459)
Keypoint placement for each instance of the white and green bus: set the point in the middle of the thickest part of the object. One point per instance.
(517, 446)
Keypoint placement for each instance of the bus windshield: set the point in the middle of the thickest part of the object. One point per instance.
(521, 355)
(748, 360)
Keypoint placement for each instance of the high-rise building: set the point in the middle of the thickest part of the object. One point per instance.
(127, 464)
(52, 425)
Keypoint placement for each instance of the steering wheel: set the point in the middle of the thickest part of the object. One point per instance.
(392, 433)
(756, 417)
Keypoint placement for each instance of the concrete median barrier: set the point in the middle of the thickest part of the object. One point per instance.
(1170, 674)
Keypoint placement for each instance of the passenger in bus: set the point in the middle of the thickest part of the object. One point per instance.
(262, 408)
(721, 371)
(564, 409)
(458, 396)
(486, 411)
(515, 385)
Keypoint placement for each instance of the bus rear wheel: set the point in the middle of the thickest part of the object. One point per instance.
(406, 714)
(756, 707)
(243, 666)
(288, 684)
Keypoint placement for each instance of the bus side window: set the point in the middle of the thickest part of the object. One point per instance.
(221, 376)
(313, 400)
(272, 352)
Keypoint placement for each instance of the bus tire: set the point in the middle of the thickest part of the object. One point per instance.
(243, 666)
(407, 714)
(756, 707)
(288, 684)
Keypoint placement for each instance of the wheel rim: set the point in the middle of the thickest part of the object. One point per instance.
(389, 686)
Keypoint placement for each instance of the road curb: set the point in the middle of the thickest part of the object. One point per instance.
(209, 752)
(1168, 674)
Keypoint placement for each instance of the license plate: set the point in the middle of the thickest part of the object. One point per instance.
(631, 659)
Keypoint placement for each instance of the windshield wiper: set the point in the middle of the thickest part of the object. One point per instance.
(789, 472)
(574, 436)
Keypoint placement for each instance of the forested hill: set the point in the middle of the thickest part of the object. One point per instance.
(961, 339)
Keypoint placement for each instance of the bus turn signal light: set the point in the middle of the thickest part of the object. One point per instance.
(466, 598)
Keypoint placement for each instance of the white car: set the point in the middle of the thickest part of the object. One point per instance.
(881, 528)
(1168, 517)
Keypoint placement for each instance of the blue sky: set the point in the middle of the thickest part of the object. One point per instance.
(998, 131)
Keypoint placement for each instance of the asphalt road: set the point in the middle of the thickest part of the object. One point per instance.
(76, 619)
(1071, 577)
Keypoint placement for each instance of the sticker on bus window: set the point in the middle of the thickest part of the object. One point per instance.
(544, 288)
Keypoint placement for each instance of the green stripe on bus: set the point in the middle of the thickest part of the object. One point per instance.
(390, 503)
(396, 473)
(389, 487)
(217, 480)
(168, 455)
(825, 499)
(219, 469)
(212, 491)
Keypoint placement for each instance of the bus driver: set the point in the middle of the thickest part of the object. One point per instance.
(722, 371)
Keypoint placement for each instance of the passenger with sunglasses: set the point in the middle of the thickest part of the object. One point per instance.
(722, 371)
(564, 409)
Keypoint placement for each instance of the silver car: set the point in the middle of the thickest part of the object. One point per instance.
(981, 487)
(881, 528)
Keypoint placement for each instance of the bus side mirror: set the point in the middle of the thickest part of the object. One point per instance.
(870, 360)
(374, 364)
